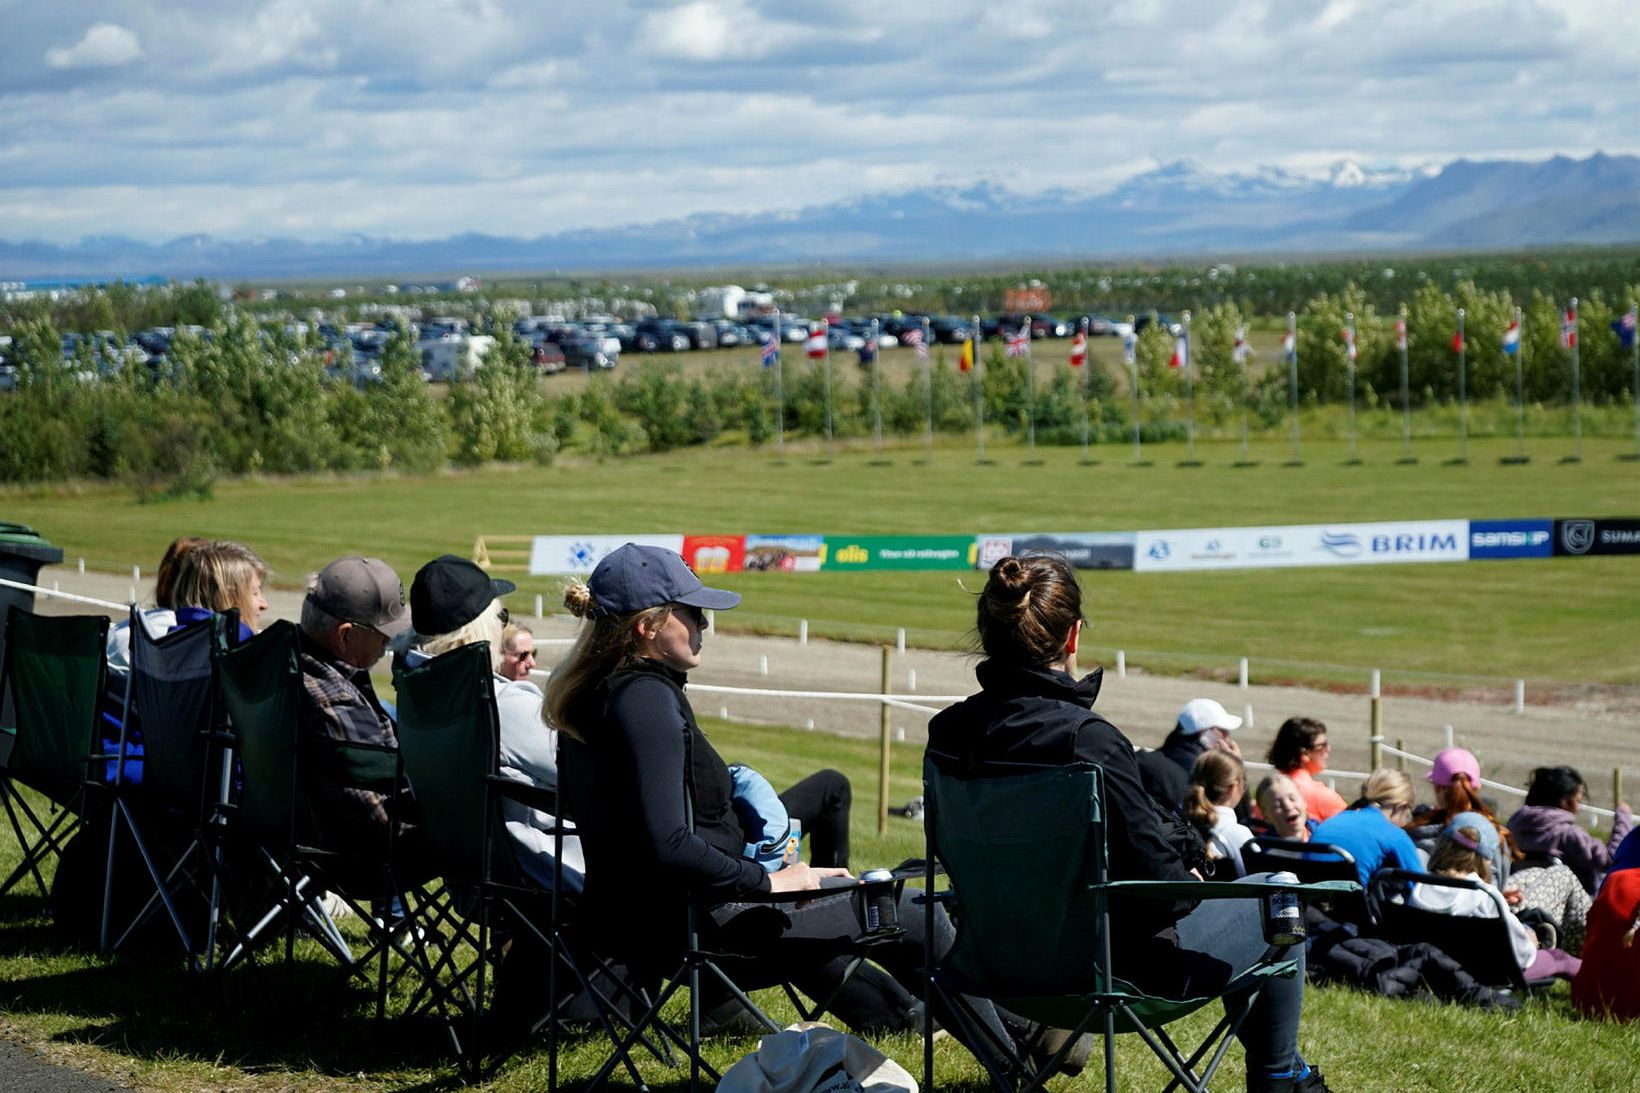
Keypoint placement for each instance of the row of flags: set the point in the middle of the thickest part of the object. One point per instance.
(1018, 344)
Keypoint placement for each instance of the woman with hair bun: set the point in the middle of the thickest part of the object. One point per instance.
(1218, 782)
(1032, 711)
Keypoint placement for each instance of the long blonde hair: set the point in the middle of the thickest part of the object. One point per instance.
(217, 576)
(605, 643)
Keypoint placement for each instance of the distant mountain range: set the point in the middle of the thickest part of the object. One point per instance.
(1175, 209)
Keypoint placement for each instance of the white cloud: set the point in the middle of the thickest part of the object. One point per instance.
(704, 30)
(105, 45)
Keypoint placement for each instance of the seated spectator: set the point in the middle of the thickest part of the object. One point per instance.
(1627, 854)
(353, 607)
(160, 618)
(1282, 810)
(1548, 826)
(1218, 783)
(1548, 890)
(453, 602)
(1371, 828)
(1300, 752)
(1465, 849)
(1202, 726)
(517, 652)
(1608, 984)
(217, 576)
(1456, 776)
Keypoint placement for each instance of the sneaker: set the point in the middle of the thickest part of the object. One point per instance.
(1310, 1081)
(1548, 937)
(1045, 1045)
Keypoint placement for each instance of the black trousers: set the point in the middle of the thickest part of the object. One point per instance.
(821, 803)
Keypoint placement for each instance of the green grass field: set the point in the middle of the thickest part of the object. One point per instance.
(1568, 620)
(142, 1020)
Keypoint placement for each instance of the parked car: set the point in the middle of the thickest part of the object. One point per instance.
(701, 335)
(949, 329)
(549, 357)
(1046, 326)
(586, 352)
(660, 335)
(842, 339)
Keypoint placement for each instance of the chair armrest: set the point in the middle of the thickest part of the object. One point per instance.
(525, 793)
(1222, 889)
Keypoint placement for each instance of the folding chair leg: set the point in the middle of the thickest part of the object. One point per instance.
(50, 839)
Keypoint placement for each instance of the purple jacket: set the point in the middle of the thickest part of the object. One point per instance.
(1546, 829)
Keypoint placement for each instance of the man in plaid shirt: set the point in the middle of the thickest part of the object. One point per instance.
(353, 607)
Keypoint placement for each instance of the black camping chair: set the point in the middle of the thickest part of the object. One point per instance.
(1026, 856)
(1481, 945)
(260, 681)
(54, 672)
(1311, 862)
(175, 814)
(449, 745)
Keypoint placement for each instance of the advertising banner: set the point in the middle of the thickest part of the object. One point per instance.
(787, 553)
(580, 553)
(1579, 537)
(899, 552)
(714, 553)
(1083, 549)
(1188, 549)
(1511, 538)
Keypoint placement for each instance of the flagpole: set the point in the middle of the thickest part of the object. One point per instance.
(876, 390)
(1292, 388)
(1634, 344)
(928, 387)
(979, 390)
(1082, 329)
(1241, 359)
(1190, 459)
(1406, 400)
(1030, 387)
(825, 363)
(1130, 347)
(1577, 394)
(779, 392)
(1349, 360)
(1463, 395)
(1520, 391)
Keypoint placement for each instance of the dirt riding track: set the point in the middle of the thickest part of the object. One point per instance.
(1594, 730)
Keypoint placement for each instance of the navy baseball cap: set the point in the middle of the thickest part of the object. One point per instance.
(449, 592)
(636, 578)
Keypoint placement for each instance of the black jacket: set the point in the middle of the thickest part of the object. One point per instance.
(1041, 717)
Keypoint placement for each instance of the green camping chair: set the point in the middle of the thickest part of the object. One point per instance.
(1026, 858)
(54, 671)
(449, 743)
(260, 682)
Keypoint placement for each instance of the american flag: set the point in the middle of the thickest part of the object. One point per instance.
(914, 338)
(1018, 343)
(771, 350)
(1568, 328)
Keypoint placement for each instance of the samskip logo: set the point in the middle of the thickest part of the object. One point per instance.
(1342, 543)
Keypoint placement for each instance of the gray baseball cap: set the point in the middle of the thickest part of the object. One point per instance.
(362, 590)
(636, 578)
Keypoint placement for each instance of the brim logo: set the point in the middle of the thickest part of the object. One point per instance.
(1577, 536)
(1343, 544)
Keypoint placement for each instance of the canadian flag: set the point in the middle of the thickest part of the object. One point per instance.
(816, 345)
(1079, 350)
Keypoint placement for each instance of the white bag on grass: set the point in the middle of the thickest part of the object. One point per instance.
(812, 1057)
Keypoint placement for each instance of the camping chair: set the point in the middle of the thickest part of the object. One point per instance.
(54, 672)
(185, 785)
(1310, 862)
(1027, 861)
(659, 977)
(1482, 945)
(260, 683)
(449, 746)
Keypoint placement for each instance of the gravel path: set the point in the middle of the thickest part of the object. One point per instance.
(1594, 732)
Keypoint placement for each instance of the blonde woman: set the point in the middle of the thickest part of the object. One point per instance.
(1373, 828)
(218, 576)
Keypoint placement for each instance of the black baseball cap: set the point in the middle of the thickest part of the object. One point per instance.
(449, 592)
(636, 578)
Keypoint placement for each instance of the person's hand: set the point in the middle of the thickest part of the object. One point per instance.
(1228, 743)
(1512, 896)
(801, 877)
(1197, 873)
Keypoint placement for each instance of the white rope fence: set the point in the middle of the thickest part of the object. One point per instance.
(61, 595)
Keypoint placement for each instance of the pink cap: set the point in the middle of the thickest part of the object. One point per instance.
(1453, 761)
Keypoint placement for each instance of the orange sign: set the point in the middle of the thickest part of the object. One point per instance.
(1028, 299)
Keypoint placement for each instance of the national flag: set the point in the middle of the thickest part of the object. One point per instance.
(1349, 343)
(914, 338)
(1511, 338)
(1181, 352)
(1400, 333)
(1568, 328)
(1624, 329)
(1457, 342)
(1079, 349)
(1130, 343)
(1289, 347)
(816, 345)
(771, 350)
(1238, 351)
(965, 359)
(1018, 343)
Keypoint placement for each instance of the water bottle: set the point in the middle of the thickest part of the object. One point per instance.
(1283, 917)
(882, 911)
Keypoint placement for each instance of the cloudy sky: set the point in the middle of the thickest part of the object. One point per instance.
(425, 118)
